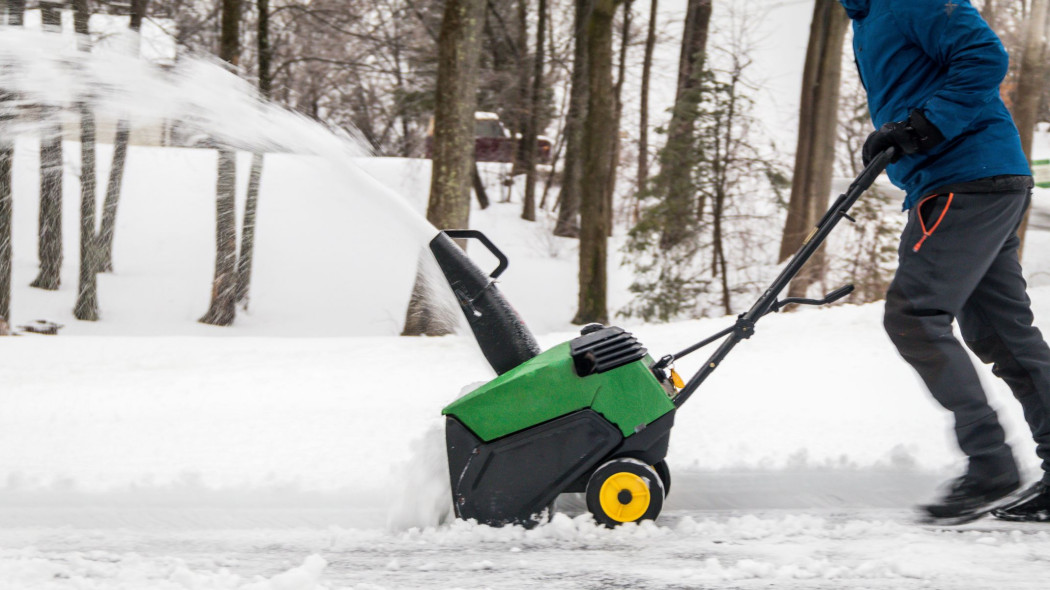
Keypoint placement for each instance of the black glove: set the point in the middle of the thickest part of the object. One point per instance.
(916, 135)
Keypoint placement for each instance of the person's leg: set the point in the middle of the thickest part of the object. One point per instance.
(997, 325)
(947, 247)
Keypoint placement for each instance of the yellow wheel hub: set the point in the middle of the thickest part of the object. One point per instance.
(624, 496)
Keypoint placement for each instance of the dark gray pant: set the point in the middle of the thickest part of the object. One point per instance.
(967, 268)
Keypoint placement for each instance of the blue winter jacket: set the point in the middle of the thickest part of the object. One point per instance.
(938, 56)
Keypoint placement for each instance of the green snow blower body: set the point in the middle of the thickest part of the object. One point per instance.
(590, 415)
(550, 420)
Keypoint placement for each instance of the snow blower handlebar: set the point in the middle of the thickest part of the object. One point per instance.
(462, 234)
(768, 302)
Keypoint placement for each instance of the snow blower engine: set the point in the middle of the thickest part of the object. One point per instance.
(590, 415)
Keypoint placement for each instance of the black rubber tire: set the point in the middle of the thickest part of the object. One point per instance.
(644, 503)
(664, 472)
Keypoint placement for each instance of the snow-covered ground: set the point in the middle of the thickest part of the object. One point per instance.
(158, 456)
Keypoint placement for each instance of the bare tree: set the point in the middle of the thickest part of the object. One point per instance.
(251, 203)
(120, 152)
(15, 10)
(598, 141)
(817, 129)
(572, 173)
(521, 100)
(867, 255)
(678, 156)
(1031, 82)
(451, 176)
(86, 307)
(533, 122)
(643, 109)
(49, 245)
(7, 155)
(621, 75)
(222, 310)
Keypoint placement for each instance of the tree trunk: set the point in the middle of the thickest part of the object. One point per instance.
(643, 113)
(222, 310)
(598, 141)
(572, 174)
(1030, 84)
(86, 307)
(49, 245)
(818, 126)
(16, 12)
(7, 155)
(679, 153)
(251, 203)
(479, 187)
(113, 188)
(990, 14)
(247, 250)
(522, 106)
(120, 150)
(15, 18)
(621, 73)
(532, 128)
(264, 48)
(453, 152)
(230, 32)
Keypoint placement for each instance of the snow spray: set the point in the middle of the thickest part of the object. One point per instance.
(423, 496)
(48, 80)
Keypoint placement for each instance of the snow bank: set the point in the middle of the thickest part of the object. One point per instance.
(820, 390)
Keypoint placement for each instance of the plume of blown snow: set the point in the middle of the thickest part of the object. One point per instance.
(422, 493)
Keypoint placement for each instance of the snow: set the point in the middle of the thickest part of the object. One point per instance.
(302, 448)
(110, 31)
(198, 462)
(812, 391)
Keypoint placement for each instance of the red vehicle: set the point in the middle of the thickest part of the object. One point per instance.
(493, 142)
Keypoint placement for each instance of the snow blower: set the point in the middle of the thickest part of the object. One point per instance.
(590, 415)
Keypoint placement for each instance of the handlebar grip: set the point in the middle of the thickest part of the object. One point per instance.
(504, 262)
(838, 294)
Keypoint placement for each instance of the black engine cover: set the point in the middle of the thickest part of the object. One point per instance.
(514, 478)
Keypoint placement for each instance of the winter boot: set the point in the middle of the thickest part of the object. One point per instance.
(968, 499)
(1033, 505)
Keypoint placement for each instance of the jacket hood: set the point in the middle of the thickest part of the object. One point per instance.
(856, 9)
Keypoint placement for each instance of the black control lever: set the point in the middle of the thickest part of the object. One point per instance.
(829, 298)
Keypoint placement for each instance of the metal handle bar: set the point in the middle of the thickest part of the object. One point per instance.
(745, 323)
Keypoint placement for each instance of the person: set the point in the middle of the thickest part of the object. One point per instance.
(932, 70)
